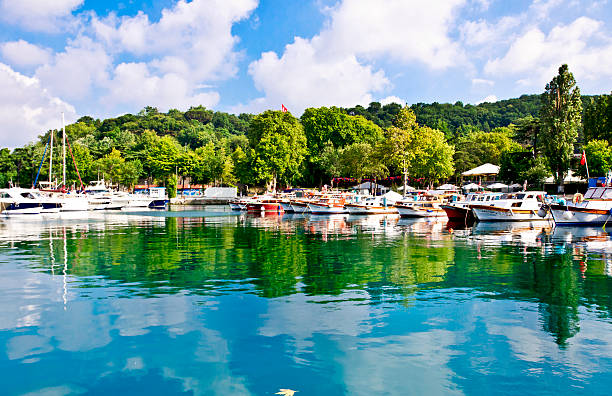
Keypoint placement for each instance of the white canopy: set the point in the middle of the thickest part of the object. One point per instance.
(482, 170)
(392, 196)
(408, 188)
(472, 186)
(496, 186)
(516, 185)
(447, 187)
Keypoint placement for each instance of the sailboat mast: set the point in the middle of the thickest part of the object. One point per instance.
(64, 150)
(51, 161)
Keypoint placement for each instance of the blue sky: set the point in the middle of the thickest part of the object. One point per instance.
(102, 58)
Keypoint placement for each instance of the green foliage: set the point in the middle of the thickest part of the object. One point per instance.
(221, 148)
(561, 120)
(599, 158)
(162, 156)
(518, 164)
(7, 172)
(359, 160)
(278, 147)
(324, 125)
(598, 118)
(433, 157)
(480, 147)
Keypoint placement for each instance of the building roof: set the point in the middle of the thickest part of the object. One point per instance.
(482, 170)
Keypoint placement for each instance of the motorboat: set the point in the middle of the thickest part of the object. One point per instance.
(461, 211)
(328, 205)
(299, 205)
(264, 204)
(522, 206)
(421, 206)
(372, 205)
(17, 201)
(594, 208)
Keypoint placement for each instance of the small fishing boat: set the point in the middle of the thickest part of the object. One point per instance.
(422, 206)
(264, 204)
(523, 206)
(371, 205)
(461, 211)
(594, 208)
(328, 205)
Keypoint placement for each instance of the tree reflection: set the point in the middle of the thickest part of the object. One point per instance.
(330, 256)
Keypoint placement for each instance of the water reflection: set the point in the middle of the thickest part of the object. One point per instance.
(215, 304)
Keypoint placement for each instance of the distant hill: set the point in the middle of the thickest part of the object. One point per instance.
(451, 117)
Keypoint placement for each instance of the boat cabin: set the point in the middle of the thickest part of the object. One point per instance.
(599, 193)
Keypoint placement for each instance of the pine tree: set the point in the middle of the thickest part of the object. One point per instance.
(561, 120)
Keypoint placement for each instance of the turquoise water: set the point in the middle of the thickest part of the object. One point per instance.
(220, 303)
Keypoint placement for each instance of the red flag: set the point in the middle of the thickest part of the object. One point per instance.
(583, 159)
(283, 108)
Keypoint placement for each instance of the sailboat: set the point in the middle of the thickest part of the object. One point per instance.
(68, 201)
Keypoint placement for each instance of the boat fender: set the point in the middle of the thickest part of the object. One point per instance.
(543, 211)
(577, 198)
(567, 215)
(610, 212)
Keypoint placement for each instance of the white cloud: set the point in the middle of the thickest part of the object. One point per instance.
(134, 85)
(39, 15)
(171, 60)
(22, 53)
(27, 109)
(192, 39)
(489, 99)
(405, 30)
(336, 67)
(480, 82)
(303, 77)
(392, 99)
(74, 73)
(534, 56)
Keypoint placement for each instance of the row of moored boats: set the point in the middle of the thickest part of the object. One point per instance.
(18, 201)
(594, 208)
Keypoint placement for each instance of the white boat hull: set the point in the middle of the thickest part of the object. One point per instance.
(299, 208)
(325, 209)
(581, 217)
(420, 212)
(367, 210)
(503, 214)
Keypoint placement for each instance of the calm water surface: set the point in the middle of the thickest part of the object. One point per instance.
(217, 303)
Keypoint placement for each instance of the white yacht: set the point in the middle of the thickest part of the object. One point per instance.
(17, 201)
(522, 206)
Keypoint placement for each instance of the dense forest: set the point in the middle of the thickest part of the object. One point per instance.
(425, 143)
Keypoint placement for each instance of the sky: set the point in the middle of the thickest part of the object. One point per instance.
(102, 58)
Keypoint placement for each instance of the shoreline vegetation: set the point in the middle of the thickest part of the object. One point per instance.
(530, 137)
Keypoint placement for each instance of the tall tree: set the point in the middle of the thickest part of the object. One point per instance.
(278, 147)
(399, 143)
(561, 118)
(433, 159)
